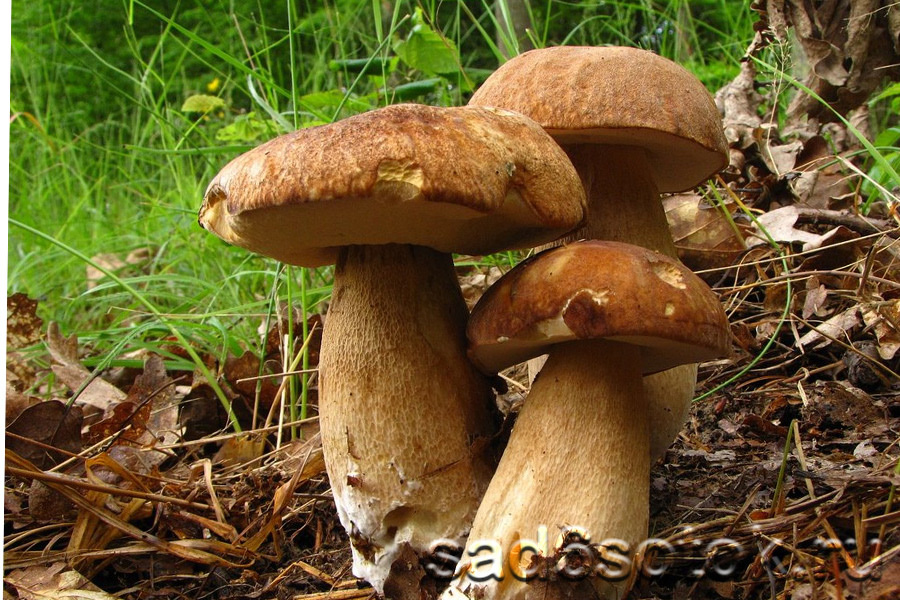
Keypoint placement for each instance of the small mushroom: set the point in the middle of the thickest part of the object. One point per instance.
(387, 195)
(578, 459)
(634, 124)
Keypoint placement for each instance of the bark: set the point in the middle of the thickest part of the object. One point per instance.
(517, 29)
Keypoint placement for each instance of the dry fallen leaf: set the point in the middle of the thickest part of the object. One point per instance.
(835, 327)
(55, 581)
(23, 326)
(147, 418)
(23, 329)
(475, 281)
(884, 318)
(16, 401)
(704, 237)
(112, 262)
(779, 158)
(98, 394)
(242, 373)
(814, 302)
(240, 450)
(51, 424)
(780, 225)
(126, 421)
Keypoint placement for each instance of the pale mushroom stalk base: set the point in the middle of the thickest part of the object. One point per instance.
(404, 416)
(624, 206)
(578, 456)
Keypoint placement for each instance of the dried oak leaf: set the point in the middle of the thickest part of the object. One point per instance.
(837, 412)
(703, 235)
(780, 225)
(98, 394)
(814, 302)
(242, 372)
(851, 47)
(23, 326)
(275, 338)
(243, 450)
(147, 417)
(56, 581)
(46, 505)
(16, 401)
(112, 262)
(126, 421)
(475, 281)
(837, 327)
(202, 414)
(51, 424)
(884, 319)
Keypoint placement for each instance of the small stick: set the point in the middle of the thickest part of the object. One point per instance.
(106, 489)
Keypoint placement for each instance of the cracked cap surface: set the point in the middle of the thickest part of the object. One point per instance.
(470, 180)
(598, 290)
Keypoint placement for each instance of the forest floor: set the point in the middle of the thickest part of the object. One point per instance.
(780, 485)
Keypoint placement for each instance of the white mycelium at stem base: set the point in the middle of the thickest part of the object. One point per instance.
(578, 457)
(404, 417)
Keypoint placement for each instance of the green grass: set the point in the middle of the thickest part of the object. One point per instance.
(103, 160)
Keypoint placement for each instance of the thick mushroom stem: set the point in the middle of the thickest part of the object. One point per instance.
(578, 457)
(624, 206)
(404, 417)
(623, 199)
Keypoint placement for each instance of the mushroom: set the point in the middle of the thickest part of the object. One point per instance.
(578, 458)
(386, 195)
(634, 124)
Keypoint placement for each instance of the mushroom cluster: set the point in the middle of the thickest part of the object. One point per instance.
(406, 408)
(606, 313)
(634, 125)
(386, 196)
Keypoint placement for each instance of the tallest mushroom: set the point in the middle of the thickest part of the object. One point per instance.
(634, 125)
(388, 195)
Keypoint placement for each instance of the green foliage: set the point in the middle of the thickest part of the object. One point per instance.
(427, 51)
(202, 103)
(880, 183)
(246, 129)
(892, 93)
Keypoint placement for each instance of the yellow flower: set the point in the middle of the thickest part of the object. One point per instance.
(213, 85)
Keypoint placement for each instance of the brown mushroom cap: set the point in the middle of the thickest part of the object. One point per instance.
(470, 180)
(616, 95)
(597, 289)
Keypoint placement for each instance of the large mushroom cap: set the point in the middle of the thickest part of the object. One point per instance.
(593, 290)
(616, 95)
(470, 180)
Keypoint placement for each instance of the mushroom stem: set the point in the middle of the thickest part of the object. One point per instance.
(578, 456)
(624, 206)
(404, 417)
(623, 199)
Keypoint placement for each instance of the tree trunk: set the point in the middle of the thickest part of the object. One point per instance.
(513, 33)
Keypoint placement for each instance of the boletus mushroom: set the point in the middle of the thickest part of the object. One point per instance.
(578, 457)
(634, 124)
(387, 196)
